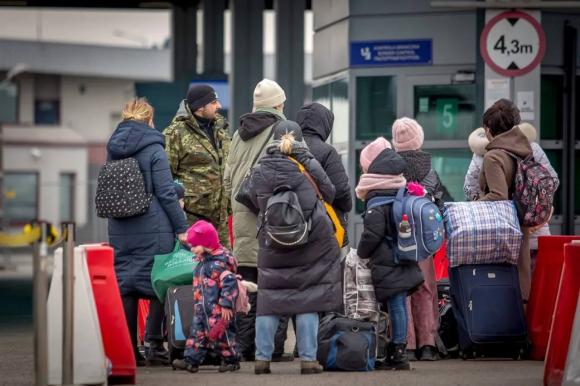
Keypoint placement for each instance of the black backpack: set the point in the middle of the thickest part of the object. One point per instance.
(283, 221)
(121, 190)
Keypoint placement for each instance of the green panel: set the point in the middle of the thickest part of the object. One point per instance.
(8, 103)
(321, 94)
(165, 99)
(456, 121)
(20, 192)
(340, 108)
(551, 106)
(376, 106)
(555, 157)
(452, 165)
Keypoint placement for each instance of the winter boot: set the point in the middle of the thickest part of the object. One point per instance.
(181, 364)
(229, 367)
(156, 354)
(262, 367)
(397, 357)
(428, 353)
(310, 367)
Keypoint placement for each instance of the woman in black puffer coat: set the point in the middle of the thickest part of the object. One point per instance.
(316, 122)
(383, 177)
(304, 280)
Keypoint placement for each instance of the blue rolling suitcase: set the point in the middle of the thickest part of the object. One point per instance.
(488, 307)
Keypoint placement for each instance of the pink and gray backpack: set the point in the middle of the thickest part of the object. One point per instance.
(534, 190)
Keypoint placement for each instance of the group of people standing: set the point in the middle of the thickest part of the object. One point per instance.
(196, 149)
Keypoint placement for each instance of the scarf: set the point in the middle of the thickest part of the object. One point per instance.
(369, 182)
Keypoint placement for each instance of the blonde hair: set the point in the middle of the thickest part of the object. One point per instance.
(286, 143)
(139, 110)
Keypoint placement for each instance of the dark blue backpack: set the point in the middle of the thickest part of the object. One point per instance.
(427, 231)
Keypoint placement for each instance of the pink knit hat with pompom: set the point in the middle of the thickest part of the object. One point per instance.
(407, 134)
(371, 151)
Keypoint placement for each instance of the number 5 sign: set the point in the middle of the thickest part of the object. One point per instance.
(513, 43)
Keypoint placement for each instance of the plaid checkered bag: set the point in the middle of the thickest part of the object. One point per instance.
(486, 232)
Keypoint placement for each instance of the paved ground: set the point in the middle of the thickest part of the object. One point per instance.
(16, 360)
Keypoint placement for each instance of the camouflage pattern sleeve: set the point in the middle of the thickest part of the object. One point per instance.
(173, 147)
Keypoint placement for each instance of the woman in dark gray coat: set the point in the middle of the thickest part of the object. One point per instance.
(137, 239)
(304, 280)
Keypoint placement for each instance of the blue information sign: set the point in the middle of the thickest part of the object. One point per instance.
(391, 53)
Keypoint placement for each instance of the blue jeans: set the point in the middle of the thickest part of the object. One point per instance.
(397, 308)
(306, 336)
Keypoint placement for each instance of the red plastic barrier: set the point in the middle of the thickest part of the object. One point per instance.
(112, 320)
(142, 312)
(441, 262)
(563, 317)
(544, 291)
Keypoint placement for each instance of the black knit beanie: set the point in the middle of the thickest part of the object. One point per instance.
(288, 127)
(200, 95)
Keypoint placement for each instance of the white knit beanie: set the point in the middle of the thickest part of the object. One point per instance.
(268, 94)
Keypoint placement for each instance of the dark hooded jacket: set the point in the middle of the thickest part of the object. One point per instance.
(307, 278)
(316, 122)
(419, 169)
(248, 143)
(498, 171)
(137, 239)
(388, 277)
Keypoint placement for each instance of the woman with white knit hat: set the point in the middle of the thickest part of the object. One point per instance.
(422, 310)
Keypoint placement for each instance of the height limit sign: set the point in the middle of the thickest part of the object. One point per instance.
(512, 43)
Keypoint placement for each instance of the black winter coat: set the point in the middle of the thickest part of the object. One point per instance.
(137, 239)
(388, 277)
(307, 278)
(419, 169)
(316, 122)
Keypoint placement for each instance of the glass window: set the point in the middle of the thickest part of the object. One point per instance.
(376, 106)
(451, 165)
(66, 187)
(446, 111)
(46, 112)
(551, 106)
(8, 103)
(339, 92)
(321, 94)
(20, 197)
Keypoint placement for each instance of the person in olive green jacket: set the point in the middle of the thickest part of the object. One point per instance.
(248, 144)
(197, 143)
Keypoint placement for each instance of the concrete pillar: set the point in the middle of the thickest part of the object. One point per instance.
(213, 37)
(184, 40)
(290, 52)
(247, 55)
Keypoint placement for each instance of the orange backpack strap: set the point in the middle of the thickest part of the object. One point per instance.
(338, 228)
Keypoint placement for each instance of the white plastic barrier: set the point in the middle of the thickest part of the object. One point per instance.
(89, 361)
(572, 371)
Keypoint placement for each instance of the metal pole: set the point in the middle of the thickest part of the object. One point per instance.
(40, 290)
(68, 304)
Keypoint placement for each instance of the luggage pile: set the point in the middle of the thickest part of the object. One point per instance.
(484, 241)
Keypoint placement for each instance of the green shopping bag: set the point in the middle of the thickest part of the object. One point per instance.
(172, 269)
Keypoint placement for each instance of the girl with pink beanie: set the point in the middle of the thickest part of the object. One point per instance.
(423, 315)
(382, 177)
(215, 290)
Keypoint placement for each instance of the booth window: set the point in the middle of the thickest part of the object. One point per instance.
(21, 192)
(446, 111)
(67, 197)
(376, 106)
(551, 106)
(8, 103)
(451, 165)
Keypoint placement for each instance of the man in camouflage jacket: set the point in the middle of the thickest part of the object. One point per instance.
(197, 143)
